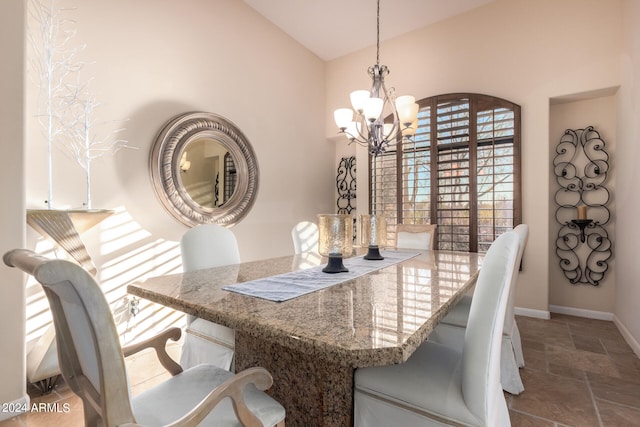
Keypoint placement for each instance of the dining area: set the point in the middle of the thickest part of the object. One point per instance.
(315, 338)
(367, 346)
(186, 87)
(313, 343)
(386, 341)
(314, 335)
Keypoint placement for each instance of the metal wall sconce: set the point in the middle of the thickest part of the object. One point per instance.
(581, 167)
(346, 185)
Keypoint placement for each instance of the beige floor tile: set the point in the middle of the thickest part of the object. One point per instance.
(518, 419)
(628, 365)
(583, 360)
(64, 413)
(12, 422)
(534, 359)
(593, 327)
(588, 343)
(613, 415)
(546, 332)
(552, 397)
(617, 390)
(616, 345)
(567, 372)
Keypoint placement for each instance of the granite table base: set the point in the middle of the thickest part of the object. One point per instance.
(313, 391)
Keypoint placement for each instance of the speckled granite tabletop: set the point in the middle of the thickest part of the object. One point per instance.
(376, 319)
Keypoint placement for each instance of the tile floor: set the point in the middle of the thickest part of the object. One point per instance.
(579, 372)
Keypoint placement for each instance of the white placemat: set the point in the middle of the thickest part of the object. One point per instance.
(297, 283)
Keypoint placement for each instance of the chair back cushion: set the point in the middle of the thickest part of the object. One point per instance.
(415, 236)
(408, 240)
(483, 337)
(305, 237)
(208, 246)
(89, 351)
(522, 230)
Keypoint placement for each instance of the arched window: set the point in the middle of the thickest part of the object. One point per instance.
(461, 171)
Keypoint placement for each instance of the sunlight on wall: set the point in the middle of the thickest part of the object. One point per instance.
(123, 252)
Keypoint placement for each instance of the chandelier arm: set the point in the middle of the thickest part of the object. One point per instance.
(389, 98)
(361, 137)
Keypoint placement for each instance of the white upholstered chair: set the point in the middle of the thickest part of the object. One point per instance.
(208, 246)
(440, 385)
(305, 237)
(451, 331)
(92, 363)
(416, 236)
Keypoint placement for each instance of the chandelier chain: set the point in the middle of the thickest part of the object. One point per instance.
(378, 34)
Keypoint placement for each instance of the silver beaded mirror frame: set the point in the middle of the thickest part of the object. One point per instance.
(165, 168)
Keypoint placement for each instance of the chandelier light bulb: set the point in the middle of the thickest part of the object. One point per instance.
(411, 129)
(343, 116)
(358, 99)
(407, 109)
(373, 109)
(353, 130)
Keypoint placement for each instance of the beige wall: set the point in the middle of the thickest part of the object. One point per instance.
(600, 113)
(150, 60)
(12, 224)
(627, 161)
(162, 58)
(525, 51)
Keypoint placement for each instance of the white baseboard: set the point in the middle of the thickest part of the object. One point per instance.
(580, 312)
(17, 407)
(528, 312)
(633, 343)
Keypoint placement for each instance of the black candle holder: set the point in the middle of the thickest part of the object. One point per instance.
(335, 264)
(582, 224)
(373, 253)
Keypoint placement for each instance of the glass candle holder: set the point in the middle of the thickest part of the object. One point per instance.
(373, 234)
(335, 240)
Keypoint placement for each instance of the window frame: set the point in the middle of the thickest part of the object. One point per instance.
(477, 103)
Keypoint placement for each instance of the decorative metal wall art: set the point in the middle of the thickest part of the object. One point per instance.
(581, 167)
(346, 184)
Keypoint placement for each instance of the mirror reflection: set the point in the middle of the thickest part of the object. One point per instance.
(208, 172)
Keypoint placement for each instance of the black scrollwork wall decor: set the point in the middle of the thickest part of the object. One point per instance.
(346, 184)
(581, 167)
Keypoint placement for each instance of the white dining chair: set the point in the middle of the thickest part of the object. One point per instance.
(451, 329)
(440, 385)
(93, 366)
(208, 246)
(416, 236)
(305, 237)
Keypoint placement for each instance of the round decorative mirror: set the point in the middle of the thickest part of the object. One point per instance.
(204, 170)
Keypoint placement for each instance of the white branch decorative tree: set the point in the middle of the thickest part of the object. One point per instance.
(66, 106)
(82, 140)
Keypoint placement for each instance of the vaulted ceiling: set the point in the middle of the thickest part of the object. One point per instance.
(333, 28)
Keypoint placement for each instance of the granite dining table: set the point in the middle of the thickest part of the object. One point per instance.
(313, 343)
